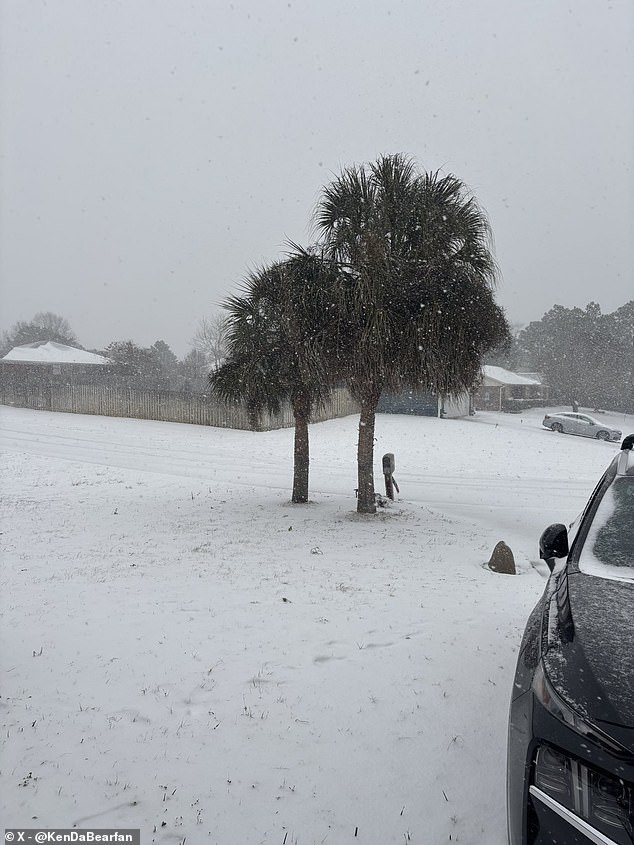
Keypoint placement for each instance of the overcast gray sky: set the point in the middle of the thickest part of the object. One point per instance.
(155, 150)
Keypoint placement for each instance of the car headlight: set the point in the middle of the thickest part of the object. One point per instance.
(603, 801)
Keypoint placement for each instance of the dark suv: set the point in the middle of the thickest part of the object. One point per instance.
(570, 776)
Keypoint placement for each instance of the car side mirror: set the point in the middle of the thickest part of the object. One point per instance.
(553, 544)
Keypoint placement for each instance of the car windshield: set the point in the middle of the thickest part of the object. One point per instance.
(608, 550)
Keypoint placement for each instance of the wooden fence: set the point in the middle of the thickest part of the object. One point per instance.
(169, 406)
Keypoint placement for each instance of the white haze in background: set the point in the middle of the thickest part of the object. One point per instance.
(152, 152)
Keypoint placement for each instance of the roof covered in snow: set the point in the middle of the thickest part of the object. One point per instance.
(49, 352)
(498, 375)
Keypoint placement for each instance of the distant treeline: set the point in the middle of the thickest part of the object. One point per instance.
(584, 356)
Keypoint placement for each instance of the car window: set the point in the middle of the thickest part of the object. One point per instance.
(608, 549)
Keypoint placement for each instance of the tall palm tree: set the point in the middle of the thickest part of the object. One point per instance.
(414, 298)
(276, 338)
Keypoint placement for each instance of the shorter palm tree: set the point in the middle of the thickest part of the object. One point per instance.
(277, 349)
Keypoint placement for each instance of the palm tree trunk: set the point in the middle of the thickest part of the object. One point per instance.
(366, 500)
(301, 455)
(254, 418)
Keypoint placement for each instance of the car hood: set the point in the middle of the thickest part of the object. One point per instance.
(593, 669)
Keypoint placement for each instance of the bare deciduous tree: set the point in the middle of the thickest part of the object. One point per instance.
(210, 339)
(45, 326)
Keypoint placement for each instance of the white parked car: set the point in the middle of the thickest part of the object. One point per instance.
(580, 424)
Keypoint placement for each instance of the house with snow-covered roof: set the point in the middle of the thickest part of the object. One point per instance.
(53, 354)
(46, 362)
(503, 389)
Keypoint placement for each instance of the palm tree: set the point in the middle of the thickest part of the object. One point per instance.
(277, 349)
(414, 298)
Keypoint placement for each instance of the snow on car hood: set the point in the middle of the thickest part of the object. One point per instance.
(594, 671)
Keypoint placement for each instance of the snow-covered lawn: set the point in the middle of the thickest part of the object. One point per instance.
(186, 652)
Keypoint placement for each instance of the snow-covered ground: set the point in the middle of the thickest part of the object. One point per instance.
(186, 652)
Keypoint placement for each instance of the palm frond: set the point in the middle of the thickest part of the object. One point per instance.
(416, 269)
